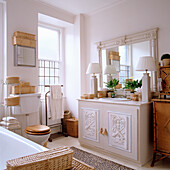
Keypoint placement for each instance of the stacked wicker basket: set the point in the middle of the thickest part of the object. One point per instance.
(8, 121)
(58, 159)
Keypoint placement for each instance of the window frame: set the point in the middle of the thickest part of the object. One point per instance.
(55, 28)
(59, 61)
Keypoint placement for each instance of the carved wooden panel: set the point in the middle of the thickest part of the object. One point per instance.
(90, 123)
(119, 130)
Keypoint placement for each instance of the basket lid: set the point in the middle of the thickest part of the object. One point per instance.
(72, 120)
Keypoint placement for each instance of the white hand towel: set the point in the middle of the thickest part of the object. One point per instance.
(3, 123)
(56, 109)
(9, 119)
(56, 91)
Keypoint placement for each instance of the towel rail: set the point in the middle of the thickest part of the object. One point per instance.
(46, 114)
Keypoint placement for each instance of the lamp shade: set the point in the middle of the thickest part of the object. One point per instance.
(110, 69)
(146, 63)
(93, 68)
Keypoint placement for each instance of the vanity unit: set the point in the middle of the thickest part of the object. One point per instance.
(119, 128)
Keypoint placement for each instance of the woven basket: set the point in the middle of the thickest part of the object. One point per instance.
(72, 127)
(59, 158)
(12, 80)
(67, 114)
(12, 101)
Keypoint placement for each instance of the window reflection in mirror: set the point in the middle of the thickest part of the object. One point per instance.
(25, 56)
(129, 56)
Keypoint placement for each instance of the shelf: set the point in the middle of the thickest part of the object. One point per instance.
(164, 67)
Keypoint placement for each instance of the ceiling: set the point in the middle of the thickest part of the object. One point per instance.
(82, 6)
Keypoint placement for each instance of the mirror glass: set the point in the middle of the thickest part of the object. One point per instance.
(129, 56)
(25, 56)
(127, 50)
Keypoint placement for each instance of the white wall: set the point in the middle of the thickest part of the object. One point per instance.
(23, 16)
(128, 17)
(72, 65)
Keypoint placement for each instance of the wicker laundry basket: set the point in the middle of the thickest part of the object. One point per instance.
(59, 158)
(72, 127)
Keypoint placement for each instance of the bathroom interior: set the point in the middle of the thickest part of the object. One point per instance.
(67, 69)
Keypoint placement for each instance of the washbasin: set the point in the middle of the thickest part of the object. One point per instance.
(114, 99)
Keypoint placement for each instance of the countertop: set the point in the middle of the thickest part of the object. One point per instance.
(121, 101)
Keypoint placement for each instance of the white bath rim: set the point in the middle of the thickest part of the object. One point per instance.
(13, 146)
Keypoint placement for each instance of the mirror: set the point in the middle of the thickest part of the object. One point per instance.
(24, 56)
(129, 48)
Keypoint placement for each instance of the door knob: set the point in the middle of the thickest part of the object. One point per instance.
(105, 132)
(101, 130)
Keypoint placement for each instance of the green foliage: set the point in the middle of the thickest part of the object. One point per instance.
(165, 56)
(112, 84)
(132, 85)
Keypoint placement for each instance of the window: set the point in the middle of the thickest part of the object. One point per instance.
(49, 57)
(124, 64)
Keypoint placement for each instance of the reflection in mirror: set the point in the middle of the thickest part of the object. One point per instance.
(25, 56)
(130, 48)
(129, 56)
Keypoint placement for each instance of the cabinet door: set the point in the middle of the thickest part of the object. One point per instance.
(89, 123)
(121, 124)
(163, 126)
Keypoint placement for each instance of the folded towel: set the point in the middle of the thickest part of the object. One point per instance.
(55, 92)
(9, 119)
(6, 124)
(13, 127)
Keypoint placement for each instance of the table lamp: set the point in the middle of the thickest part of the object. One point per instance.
(93, 68)
(146, 63)
(109, 70)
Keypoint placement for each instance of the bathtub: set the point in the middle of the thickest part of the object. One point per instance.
(14, 146)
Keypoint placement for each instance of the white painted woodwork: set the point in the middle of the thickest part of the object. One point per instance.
(90, 124)
(148, 35)
(127, 128)
(119, 130)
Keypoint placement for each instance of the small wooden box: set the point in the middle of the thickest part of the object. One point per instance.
(72, 127)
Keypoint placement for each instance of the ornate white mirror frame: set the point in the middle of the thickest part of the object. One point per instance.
(148, 35)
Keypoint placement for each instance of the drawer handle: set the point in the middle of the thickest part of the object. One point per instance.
(105, 132)
(101, 131)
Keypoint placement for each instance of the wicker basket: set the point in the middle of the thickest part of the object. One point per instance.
(72, 127)
(59, 158)
(12, 80)
(24, 35)
(22, 90)
(67, 114)
(12, 101)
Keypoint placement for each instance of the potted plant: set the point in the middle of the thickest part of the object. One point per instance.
(132, 85)
(165, 59)
(111, 85)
